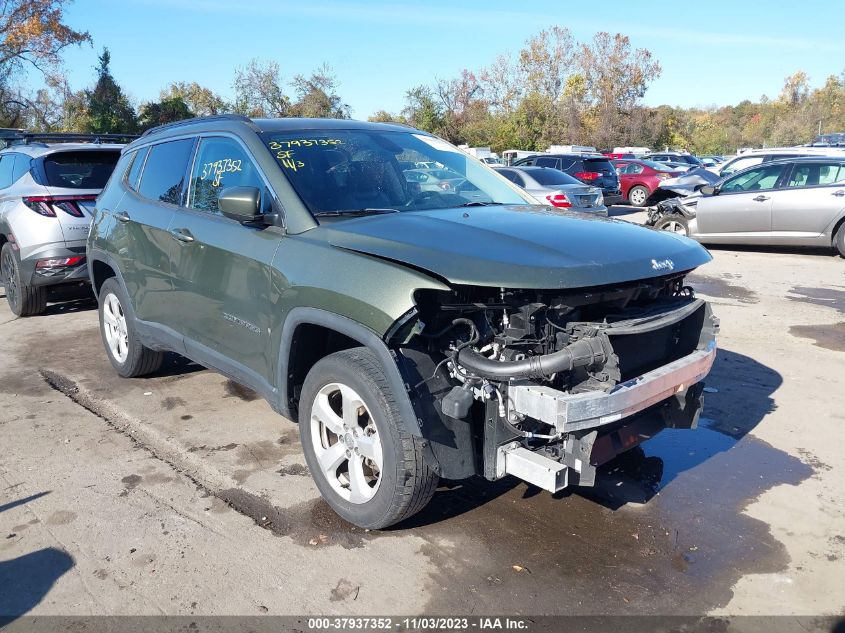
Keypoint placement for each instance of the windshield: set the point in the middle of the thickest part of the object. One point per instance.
(347, 171)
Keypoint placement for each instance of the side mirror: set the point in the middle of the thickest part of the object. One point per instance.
(709, 190)
(241, 204)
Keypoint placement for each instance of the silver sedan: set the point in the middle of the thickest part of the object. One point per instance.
(793, 202)
(556, 188)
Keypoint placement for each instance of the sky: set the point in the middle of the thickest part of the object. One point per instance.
(714, 52)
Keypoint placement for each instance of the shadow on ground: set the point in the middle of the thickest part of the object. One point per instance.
(27, 579)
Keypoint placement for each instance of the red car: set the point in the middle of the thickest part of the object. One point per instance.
(638, 178)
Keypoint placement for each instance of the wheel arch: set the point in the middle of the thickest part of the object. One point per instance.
(309, 334)
(836, 226)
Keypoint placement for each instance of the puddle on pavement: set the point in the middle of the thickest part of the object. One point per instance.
(828, 297)
(830, 337)
(722, 288)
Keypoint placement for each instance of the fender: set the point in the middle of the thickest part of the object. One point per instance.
(354, 330)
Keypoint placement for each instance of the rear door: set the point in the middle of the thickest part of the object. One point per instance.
(742, 210)
(220, 272)
(155, 185)
(814, 196)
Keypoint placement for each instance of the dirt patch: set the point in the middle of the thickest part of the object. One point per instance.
(344, 590)
(171, 403)
(720, 288)
(213, 449)
(235, 390)
(298, 470)
(62, 517)
(830, 337)
(827, 297)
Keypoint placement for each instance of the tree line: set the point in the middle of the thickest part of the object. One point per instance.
(553, 90)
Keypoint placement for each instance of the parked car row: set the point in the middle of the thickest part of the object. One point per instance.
(414, 332)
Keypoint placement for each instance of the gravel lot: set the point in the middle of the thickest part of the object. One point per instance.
(184, 493)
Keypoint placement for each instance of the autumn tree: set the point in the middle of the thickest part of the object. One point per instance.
(616, 79)
(317, 95)
(200, 100)
(32, 34)
(259, 91)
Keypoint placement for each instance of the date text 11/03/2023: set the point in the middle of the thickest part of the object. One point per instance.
(439, 624)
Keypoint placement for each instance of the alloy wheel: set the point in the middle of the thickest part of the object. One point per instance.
(114, 326)
(674, 226)
(346, 443)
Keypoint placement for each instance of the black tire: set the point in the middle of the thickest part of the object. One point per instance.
(673, 223)
(839, 240)
(406, 482)
(638, 196)
(139, 360)
(24, 300)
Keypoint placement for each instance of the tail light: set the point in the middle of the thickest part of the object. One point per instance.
(664, 175)
(559, 200)
(47, 205)
(60, 262)
(587, 175)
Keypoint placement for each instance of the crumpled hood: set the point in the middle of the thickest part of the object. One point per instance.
(517, 246)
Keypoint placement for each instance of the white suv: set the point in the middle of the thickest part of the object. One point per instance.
(758, 156)
(48, 185)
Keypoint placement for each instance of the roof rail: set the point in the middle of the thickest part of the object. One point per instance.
(31, 138)
(199, 119)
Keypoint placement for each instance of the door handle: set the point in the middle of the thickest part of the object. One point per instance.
(839, 193)
(182, 235)
(122, 216)
(760, 198)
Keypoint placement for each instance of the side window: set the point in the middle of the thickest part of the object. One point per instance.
(764, 177)
(135, 168)
(22, 165)
(164, 172)
(221, 162)
(518, 179)
(508, 173)
(831, 173)
(633, 168)
(813, 174)
(7, 166)
(546, 162)
(528, 161)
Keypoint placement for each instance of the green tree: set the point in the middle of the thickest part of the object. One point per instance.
(164, 111)
(259, 91)
(108, 108)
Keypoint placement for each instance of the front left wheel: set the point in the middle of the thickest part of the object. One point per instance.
(368, 468)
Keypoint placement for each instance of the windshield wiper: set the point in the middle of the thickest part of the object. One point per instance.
(354, 212)
(478, 203)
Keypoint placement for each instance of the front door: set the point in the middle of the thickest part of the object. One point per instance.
(220, 268)
(742, 210)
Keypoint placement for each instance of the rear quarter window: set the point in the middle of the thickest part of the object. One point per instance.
(135, 168)
(79, 169)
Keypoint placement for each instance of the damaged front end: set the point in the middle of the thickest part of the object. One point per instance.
(547, 385)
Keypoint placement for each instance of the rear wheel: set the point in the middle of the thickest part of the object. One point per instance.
(117, 326)
(366, 466)
(839, 240)
(637, 196)
(674, 224)
(24, 300)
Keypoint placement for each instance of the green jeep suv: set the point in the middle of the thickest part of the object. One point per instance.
(414, 333)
